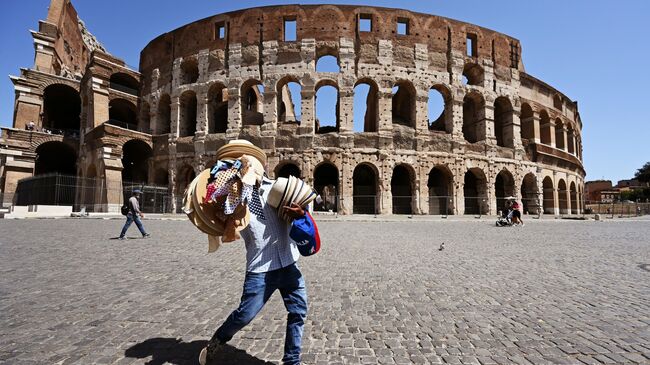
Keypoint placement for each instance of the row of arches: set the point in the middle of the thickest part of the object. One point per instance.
(556, 133)
(475, 197)
(366, 111)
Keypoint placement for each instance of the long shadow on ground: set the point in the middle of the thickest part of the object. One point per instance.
(175, 351)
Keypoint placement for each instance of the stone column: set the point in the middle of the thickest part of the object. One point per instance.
(566, 140)
(551, 127)
(234, 111)
(536, 127)
(202, 114)
(423, 190)
(485, 125)
(308, 109)
(175, 117)
(270, 110)
(346, 102)
(513, 131)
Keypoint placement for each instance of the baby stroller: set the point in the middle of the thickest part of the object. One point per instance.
(506, 219)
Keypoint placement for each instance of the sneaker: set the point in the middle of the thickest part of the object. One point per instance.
(146, 235)
(209, 352)
(121, 238)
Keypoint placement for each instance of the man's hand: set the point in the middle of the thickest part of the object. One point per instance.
(294, 211)
(141, 215)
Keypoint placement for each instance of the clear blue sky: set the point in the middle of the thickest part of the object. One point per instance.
(594, 51)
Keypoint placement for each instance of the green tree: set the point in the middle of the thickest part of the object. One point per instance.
(643, 174)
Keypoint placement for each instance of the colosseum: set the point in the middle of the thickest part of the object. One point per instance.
(337, 95)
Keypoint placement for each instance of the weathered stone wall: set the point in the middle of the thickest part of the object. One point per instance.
(432, 55)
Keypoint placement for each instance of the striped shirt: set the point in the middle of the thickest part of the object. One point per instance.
(268, 245)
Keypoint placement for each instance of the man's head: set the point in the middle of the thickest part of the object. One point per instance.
(136, 193)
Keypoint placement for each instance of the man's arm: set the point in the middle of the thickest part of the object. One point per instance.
(294, 211)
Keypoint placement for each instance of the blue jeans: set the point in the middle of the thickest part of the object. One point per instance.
(258, 288)
(130, 218)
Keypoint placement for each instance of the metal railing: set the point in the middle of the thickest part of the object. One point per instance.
(617, 209)
(91, 194)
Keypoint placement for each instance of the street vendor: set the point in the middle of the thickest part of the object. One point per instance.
(272, 252)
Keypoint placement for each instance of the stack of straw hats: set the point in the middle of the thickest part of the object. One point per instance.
(207, 217)
(292, 190)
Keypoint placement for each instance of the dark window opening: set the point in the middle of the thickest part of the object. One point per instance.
(472, 45)
(220, 30)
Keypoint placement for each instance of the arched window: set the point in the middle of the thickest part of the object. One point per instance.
(61, 108)
(570, 140)
(217, 109)
(145, 117)
(187, 116)
(402, 190)
(559, 134)
(440, 185)
(475, 191)
(473, 74)
(327, 63)
(122, 113)
(252, 99)
(403, 104)
(163, 118)
(574, 198)
(529, 194)
(504, 187)
(548, 201)
(366, 106)
(562, 197)
(135, 161)
(55, 157)
(546, 129)
(189, 71)
(287, 169)
(503, 115)
(527, 122)
(473, 117)
(439, 109)
(326, 183)
(124, 83)
(289, 100)
(364, 190)
(327, 108)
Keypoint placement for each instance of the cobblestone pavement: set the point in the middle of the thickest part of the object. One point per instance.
(552, 292)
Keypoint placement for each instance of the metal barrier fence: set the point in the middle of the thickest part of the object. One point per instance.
(93, 195)
(617, 209)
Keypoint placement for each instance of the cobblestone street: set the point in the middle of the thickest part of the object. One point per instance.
(552, 292)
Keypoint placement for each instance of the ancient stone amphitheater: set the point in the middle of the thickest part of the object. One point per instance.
(342, 96)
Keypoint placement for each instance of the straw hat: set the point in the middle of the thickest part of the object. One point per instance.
(239, 147)
(290, 190)
(205, 212)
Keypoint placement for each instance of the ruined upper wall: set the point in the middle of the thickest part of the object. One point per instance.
(327, 24)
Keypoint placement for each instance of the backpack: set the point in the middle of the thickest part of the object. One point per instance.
(125, 209)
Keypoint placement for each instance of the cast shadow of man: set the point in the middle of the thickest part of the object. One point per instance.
(175, 351)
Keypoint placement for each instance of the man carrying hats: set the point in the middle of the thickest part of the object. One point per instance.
(271, 257)
(134, 215)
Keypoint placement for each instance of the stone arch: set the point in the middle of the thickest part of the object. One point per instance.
(475, 191)
(252, 102)
(473, 74)
(527, 122)
(122, 113)
(164, 115)
(326, 90)
(326, 183)
(441, 190)
(530, 194)
(189, 71)
(55, 157)
(286, 169)
(217, 108)
(559, 134)
(135, 161)
(365, 189)
(503, 119)
(187, 114)
(401, 188)
(328, 62)
(289, 106)
(548, 191)
(557, 102)
(124, 82)
(570, 139)
(61, 108)
(473, 116)
(546, 127)
(184, 177)
(504, 186)
(366, 93)
(440, 108)
(574, 198)
(403, 103)
(562, 197)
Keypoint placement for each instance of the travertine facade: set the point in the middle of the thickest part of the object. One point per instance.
(502, 131)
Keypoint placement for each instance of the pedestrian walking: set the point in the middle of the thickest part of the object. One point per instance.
(133, 215)
(272, 251)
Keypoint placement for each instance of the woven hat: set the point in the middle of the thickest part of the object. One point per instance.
(207, 213)
(239, 147)
(289, 190)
